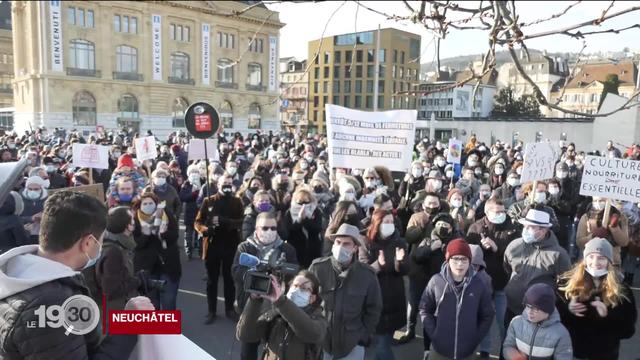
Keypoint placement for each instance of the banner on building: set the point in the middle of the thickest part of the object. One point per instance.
(91, 156)
(611, 178)
(146, 148)
(196, 149)
(454, 152)
(539, 162)
(156, 46)
(273, 63)
(362, 139)
(57, 44)
(206, 54)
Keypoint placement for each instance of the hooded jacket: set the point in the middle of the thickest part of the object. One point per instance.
(547, 340)
(456, 317)
(527, 264)
(30, 281)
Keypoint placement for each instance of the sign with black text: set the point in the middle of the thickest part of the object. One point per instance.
(539, 162)
(611, 178)
(202, 120)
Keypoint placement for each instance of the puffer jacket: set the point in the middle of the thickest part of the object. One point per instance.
(546, 340)
(352, 303)
(527, 264)
(456, 318)
(289, 332)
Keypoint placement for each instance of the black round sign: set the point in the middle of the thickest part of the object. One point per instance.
(202, 120)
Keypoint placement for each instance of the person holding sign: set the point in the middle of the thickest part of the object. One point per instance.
(592, 224)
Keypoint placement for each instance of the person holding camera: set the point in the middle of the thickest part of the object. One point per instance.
(294, 328)
(219, 221)
(156, 236)
(351, 295)
(266, 245)
(46, 275)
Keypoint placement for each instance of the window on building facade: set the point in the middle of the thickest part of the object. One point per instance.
(126, 59)
(370, 71)
(82, 54)
(346, 101)
(226, 115)
(358, 70)
(358, 88)
(179, 32)
(370, 54)
(348, 56)
(369, 102)
(326, 57)
(337, 57)
(326, 71)
(380, 102)
(315, 86)
(336, 86)
(358, 102)
(336, 71)
(128, 107)
(382, 69)
(336, 100)
(347, 71)
(369, 86)
(359, 56)
(381, 86)
(254, 116)
(178, 110)
(225, 71)
(5, 81)
(254, 74)
(256, 45)
(84, 109)
(180, 65)
(80, 17)
(226, 40)
(325, 86)
(347, 86)
(316, 72)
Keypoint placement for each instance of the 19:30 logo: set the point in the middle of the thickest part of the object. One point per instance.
(79, 315)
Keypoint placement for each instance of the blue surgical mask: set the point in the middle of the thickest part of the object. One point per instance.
(92, 261)
(498, 219)
(148, 208)
(299, 297)
(341, 254)
(125, 197)
(528, 236)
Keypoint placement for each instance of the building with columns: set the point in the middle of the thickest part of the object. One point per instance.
(140, 64)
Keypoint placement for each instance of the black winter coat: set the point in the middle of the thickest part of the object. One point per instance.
(188, 196)
(151, 257)
(305, 236)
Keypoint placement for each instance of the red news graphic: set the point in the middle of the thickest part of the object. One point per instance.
(129, 322)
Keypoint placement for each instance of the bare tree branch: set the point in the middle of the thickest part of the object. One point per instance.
(581, 35)
(554, 16)
(572, 74)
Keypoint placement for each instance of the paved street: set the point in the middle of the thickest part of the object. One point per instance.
(218, 339)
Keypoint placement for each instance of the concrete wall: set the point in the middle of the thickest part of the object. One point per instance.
(621, 127)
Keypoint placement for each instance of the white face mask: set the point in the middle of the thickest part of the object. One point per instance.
(512, 181)
(299, 297)
(268, 237)
(370, 183)
(540, 197)
(449, 174)
(194, 178)
(529, 236)
(441, 162)
(473, 163)
(159, 181)
(387, 230)
(232, 170)
(596, 273)
(341, 254)
(499, 171)
(416, 173)
(33, 194)
(598, 206)
(456, 203)
(356, 172)
(561, 174)
(554, 190)
(349, 196)
(497, 219)
(436, 184)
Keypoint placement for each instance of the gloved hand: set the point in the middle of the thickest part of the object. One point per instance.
(613, 222)
(599, 232)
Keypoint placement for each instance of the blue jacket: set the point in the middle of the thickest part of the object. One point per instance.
(456, 318)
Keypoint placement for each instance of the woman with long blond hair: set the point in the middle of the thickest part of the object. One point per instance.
(595, 305)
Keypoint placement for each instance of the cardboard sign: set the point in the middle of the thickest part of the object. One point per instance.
(196, 149)
(539, 162)
(91, 156)
(455, 151)
(95, 190)
(146, 148)
(611, 178)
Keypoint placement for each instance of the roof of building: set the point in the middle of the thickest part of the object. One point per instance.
(627, 73)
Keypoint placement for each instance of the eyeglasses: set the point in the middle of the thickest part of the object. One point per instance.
(459, 259)
(266, 228)
(304, 202)
(532, 308)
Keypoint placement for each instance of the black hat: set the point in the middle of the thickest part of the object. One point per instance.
(541, 296)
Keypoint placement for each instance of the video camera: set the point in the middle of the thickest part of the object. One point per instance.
(258, 279)
(147, 285)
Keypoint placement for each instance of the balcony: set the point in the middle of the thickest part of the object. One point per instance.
(84, 72)
(254, 87)
(117, 75)
(182, 81)
(226, 85)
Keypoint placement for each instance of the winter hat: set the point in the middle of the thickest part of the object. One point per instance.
(36, 180)
(453, 192)
(541, 296)
(600, 246)
(125, 160)
(458, 247)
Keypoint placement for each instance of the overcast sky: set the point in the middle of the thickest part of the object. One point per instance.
(306, 21)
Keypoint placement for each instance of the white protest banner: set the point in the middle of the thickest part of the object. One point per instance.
(539, 162)
(455, 151)
(611, 178)
(146, 148)
(91, 156)
(362, 139)
(196, 149)
(167, 347)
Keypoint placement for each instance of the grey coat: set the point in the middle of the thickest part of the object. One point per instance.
(548, 339)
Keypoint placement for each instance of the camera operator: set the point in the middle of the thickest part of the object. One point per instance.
(219, 221)
(266, 245)
(294, 328)
(71, 233)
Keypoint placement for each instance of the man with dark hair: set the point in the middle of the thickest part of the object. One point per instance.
(71, 233)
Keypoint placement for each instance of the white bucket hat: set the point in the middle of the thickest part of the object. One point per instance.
(536, 218)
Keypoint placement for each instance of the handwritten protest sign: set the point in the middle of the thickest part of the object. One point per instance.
(361, 139)
(454, 154)
(539, 162)
(91, 156)
(146, 148)
(611, 178)
(196, 149)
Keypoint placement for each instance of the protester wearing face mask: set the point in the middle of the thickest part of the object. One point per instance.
(498, 175)
(165, 192)
(125, 168)
(436, 184)
(493, 233)
(346, 212)
(519, 209)
(73, 226)
(535, 257)
(352, 318)
(262, 203)
(248, 190)
(294, 328)
(219, 220)
(302, 226)
(506, 192)
(281, 189)
(231, 168)
(33, 197)
(385, 252)
(468, 184)
(57, 181)
(460, 210)
(616, 231)
(188, 196)
(265, 244)
(597, 308)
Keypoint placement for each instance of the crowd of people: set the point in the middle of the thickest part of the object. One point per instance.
(463, 246)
